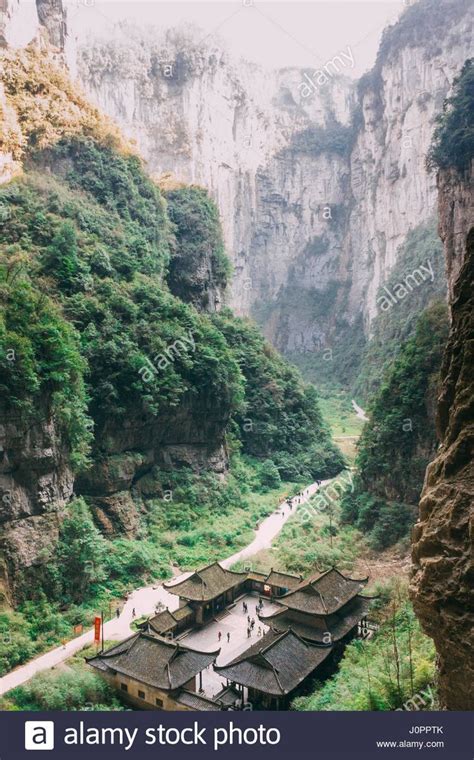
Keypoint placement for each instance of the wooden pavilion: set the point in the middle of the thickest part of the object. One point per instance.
(169, 623)
(324, 609)
(269, 672)
(208, 591)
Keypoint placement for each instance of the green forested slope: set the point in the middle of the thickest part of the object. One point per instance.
(400, 439)
(100, 277)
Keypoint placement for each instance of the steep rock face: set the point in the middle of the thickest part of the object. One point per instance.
(198, 271)
(36, 478)
(22, 21)
(52, 19)
(442, 583)
(300, 216)
(35, 483)
(18, 23)
(456, 213)
(417, 62)
(193, 436)
(230, 128)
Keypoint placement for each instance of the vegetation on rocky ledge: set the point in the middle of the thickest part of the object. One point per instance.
(98, 335)
(453, 140)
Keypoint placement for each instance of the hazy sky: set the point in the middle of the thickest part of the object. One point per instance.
(274, 34)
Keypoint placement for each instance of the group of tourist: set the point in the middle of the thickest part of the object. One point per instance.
(298, 498)
(251, 620)
(251, 626)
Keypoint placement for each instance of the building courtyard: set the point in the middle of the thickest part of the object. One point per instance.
(232, 621)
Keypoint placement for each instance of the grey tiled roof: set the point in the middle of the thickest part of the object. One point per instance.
(282, 580)
(204, 585)
(196, 701)
(228, 696)
(166, 620)
(182, 612)
(160, 623)
(337, 625)
(323, 594)
(276, 664)
(153, 660)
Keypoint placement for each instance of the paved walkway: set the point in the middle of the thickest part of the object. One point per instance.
(270, 527)
(144, 601)
(359, 411)
(233, 622)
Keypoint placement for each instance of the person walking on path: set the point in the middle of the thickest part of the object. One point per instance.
(228, 637)
(248, 632)
(133, 612)
(219, 636)
(117, 612)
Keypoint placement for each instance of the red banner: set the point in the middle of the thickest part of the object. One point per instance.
(97, 622)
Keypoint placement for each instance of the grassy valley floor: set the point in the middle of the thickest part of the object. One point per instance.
(343, 422)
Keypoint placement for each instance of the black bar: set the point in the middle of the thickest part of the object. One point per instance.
(325, 735)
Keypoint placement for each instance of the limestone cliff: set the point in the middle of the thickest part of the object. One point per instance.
(22, 21)
(316, 193)
(245, 134)
(109, 310)
(36, 481)
(442, 584)
(18, 23)
(127, 455)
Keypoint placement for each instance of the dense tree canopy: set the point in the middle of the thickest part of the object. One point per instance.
(399, 441)
(453, 140)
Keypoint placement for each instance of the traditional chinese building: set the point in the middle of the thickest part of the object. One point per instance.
(313, 619)
(269, 672)
(324, 609)
(273, 583)
(208, 591)
(169, 624)
(153, 673)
